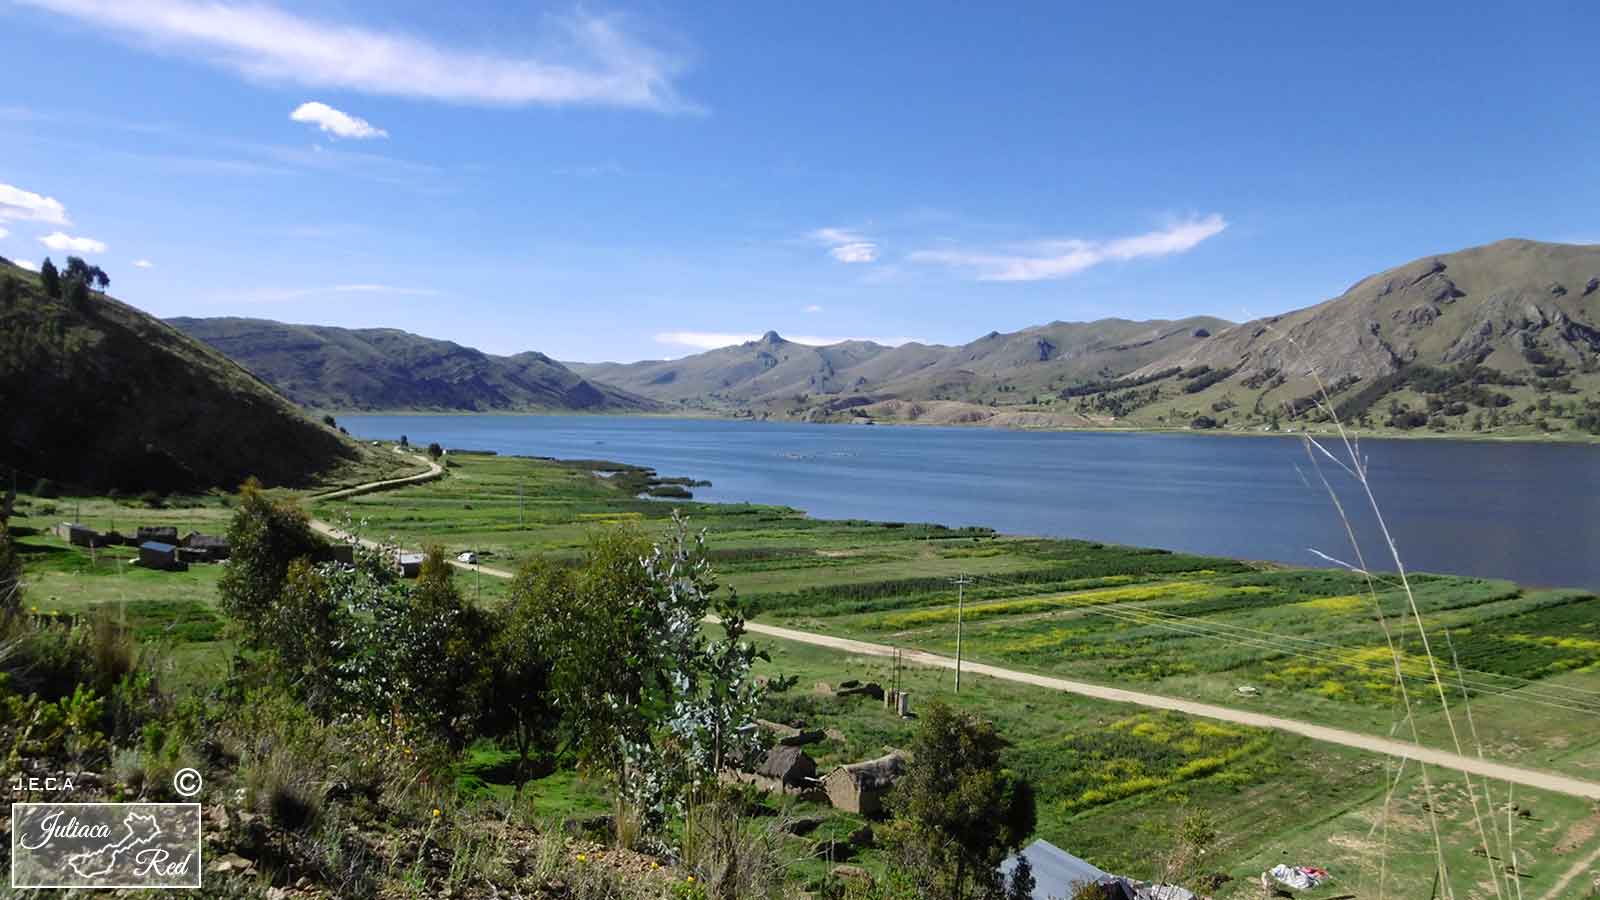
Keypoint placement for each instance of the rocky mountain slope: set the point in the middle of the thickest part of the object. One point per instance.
(1506, 334)
(97, 394)
(772, 372)
(387, 369)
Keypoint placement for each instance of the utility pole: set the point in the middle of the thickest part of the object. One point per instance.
(961, 582)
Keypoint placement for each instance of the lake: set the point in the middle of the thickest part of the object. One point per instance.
(1528, 512)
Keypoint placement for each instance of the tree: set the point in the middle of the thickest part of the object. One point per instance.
(50, 278)
(958, 812)
(435, 451)
(77, 293)
(439, 657)
(265, 537)
(520, 702)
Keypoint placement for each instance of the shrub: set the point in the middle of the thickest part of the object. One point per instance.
(46, 488)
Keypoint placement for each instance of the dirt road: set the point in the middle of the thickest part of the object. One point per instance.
(1546, 781)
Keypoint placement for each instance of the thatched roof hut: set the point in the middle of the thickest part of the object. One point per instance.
(789, 766)
(859, 787)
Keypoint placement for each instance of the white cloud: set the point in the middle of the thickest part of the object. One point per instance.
(711, 340)
(143, 264)
(859, 252)
(593, 62)
(28, 264)
(57, 240)
(846, 245)
(813, 308)
(16, 203)
(1044, 260)
(335, 122)
(4, 234)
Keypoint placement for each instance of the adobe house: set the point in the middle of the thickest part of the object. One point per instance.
(788, 767)
(79, 535)
(157, 555)
(165, 534)
(860, 787)
(214, 548)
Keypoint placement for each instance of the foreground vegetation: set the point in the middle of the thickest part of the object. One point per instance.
(1113, 784)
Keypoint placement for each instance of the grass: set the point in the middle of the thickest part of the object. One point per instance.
(1112, 778)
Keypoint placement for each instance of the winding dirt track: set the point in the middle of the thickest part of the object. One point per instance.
(1546, 781)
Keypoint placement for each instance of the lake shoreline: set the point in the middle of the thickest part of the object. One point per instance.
(688, 416)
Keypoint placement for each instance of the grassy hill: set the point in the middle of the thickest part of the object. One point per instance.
(388, 369)
(1502, 338)
(777, 375)
(101, 395)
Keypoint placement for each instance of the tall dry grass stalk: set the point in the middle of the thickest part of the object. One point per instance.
(1347, 458)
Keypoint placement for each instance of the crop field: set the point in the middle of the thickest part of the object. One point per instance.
(1111, 779)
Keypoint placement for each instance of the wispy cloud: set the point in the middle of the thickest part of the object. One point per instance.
(57, 240)
(846, 244)
(1043, 260)
(336, 122)
(4, 234)
(593, 62)
(16, 203)
(711, 340)
(813, 308)
(143, 264)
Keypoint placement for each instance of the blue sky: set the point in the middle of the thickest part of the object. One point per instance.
(627, 182)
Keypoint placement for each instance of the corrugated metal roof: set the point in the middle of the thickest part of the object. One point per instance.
(1055, 871)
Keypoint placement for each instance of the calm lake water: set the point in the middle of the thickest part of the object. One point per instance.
(1529, 512)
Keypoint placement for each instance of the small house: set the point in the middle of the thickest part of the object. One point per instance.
(164, 534)
(79, 535)
(215, 549)
(408, 564)
(157, 555)
(860, 787)
(789, 767)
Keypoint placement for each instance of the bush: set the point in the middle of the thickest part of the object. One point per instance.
(1203, 422)
(46, 488)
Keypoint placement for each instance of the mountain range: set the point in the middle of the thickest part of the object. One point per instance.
(1497, 337)
(323, 367)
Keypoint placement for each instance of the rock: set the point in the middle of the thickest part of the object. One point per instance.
(803, 825)
(863, 836)
(1557, 289)
(232, 862)
(302, 883)
(1201, 333)
(277, 893)
(834, 734)
(852, 873)
(832, 850)
(871, 689)
(1591, 287)
(823, 688)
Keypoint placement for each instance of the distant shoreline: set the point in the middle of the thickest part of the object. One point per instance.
(1562, 438)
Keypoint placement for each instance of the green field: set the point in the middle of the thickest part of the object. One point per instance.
(1111, 778)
